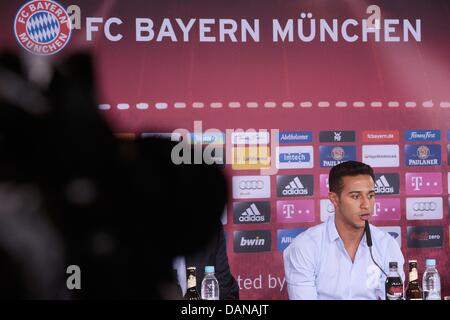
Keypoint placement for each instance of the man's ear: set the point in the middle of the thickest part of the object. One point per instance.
(334, 198)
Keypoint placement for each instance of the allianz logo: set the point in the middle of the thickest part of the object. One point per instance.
(295, 187)
(252, 242)
(287, 239)
(393, 234)
(382, 185)
(252, 214)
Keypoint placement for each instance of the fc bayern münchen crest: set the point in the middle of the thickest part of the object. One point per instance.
(42, 27)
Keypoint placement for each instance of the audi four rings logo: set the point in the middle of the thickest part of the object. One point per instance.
(251, 185)
(424, 206)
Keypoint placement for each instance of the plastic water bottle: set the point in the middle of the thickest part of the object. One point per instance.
(210, 285)
(431, 282)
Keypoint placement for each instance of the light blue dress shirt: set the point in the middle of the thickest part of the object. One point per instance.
(317, 266)
(179, 264)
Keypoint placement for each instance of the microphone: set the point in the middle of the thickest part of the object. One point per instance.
(369, 244)
(368, 236)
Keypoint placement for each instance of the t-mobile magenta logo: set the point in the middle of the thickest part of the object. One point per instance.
(423, 183)
(324, 185)
(386, 209)
(295, 211)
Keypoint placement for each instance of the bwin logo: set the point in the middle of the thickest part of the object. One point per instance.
(382, 186)
(252, 242)
(295, 187)
(252, 214)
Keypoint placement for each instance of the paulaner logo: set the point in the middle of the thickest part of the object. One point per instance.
(331, 156)
(42, 27)
(423, 155)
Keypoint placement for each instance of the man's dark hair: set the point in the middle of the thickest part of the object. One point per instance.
(348, 168)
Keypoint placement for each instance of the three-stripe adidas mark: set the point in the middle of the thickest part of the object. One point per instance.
(383, 186)
(251, 214)
(295, 187)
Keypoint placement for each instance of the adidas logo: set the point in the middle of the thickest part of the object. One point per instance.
(252, 242)
(382, 186)
(295, 187)
(252, 214)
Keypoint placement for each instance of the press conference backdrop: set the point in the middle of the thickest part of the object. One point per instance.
(339, 80)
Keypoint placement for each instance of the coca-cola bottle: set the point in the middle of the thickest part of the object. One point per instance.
(394, 283)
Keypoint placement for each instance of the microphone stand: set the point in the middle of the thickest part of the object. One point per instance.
(369, 244)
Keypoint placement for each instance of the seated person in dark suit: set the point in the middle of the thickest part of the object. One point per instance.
(213, 254)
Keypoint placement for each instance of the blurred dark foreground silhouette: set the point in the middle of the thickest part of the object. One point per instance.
(71, 193)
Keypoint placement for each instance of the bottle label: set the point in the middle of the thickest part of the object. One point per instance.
(394, 288)
(394, 293)
(191, 282)
(413, 275)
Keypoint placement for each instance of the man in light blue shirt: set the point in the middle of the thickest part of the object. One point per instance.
(332, 260)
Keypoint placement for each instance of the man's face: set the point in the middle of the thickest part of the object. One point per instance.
(356, 202)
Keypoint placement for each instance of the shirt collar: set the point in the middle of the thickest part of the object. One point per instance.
(333, 234)
(332, 231)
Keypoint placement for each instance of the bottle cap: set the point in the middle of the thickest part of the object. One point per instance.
(412, 260)
(392, 264)
(209, 269)
(431, 262)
